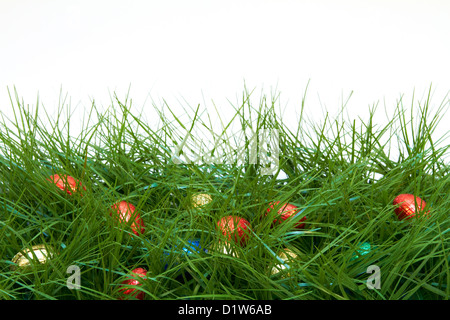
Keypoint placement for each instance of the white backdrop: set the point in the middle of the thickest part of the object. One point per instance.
(203, 50)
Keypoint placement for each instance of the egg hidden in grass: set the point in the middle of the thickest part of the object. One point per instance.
(286, 211)
(133, 281)
(200, 200)
(67, 183)
(36, 254)
(126, 213)
(192, 247)
(362, 249)
(288, 256)
(235, 228)
(408, 205)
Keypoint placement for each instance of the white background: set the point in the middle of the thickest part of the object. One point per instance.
(206, 50)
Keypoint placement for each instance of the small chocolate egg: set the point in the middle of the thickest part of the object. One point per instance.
(38, 253)
(363, 249)
(235, 228)
(133, 292)
(287, 255)
(126, 213)
(200, 200)
(285, 212)
(66, 183)
(406, 206)
(193, 247)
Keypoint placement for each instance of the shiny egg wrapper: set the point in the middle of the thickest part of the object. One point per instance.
(363, 249)
(287, 255)
(193, 247)
(200, 200)
(37, 254)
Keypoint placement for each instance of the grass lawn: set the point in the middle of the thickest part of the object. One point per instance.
(342, 175)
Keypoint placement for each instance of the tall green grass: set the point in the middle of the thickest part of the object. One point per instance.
(343, 173)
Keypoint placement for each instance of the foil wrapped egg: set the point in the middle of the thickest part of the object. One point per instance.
(133, 281)
(67, 183)
(235, 228)
(193, 246)
(36, 254)
(408, 205)
(363, 249)
(200, 200)
(288, 256)
(286, 211)
(126, 213)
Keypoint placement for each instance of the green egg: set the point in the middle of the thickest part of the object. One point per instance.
(363, 249)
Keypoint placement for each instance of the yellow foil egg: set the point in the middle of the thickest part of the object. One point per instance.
(287, 255)
(38, 253)
(200, 199)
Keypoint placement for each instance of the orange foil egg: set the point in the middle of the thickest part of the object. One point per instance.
(235, 228)
(132, 281)
(126, 213)
(285, 212)
(407, 206)
(66, 183)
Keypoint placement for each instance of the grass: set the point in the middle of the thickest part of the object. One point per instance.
(343, 174)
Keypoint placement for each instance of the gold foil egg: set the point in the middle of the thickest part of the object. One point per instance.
(287, 255)
(38, 253)
(200, 199)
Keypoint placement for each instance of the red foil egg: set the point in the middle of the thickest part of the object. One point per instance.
(66, 183)
(286, 211)
(235, 228)
(406, 206)
(134, 292)
(126, 213)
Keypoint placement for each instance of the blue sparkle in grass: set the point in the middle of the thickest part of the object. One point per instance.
(193, 247)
